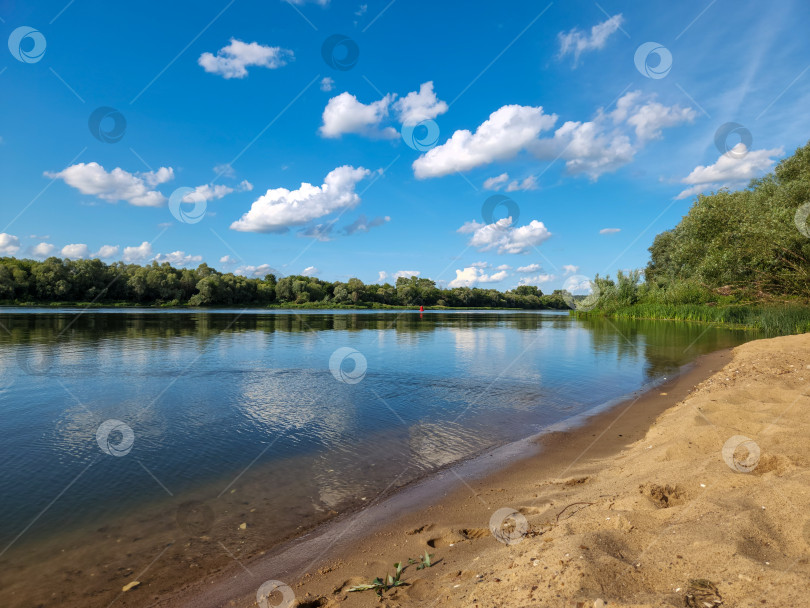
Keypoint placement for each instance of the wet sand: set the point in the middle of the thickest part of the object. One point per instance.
(626, 509)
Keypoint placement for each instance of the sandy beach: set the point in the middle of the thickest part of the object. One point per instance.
(704, 478)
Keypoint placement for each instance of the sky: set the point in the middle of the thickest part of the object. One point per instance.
(502, 144)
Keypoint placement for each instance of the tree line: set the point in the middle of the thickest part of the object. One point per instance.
(56, 280)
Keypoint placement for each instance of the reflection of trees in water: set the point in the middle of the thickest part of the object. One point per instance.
(665, 345)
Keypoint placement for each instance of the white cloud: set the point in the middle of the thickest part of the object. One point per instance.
(504, 267)
(244, 186)
(507, 131)
(300, 2)
(106, 251)
(497, 182)
(139, 254)
(650, 118)
(279, 209)
(505, 237)
(9, 244)
(178, 258)
(607, 142)
(41, 250)
(231, 61)
(471, 275)
(381, 276)
(327, 84)
(309, 271)
(577, 41)
(536, 280)
(420, 105)
(610, 230)
(361, 10)
(732, 169)
(256, 272)
(529, 268)
(207, 193)
(570, 269)
(117, 185)
(406, 273)
(529, 183)
(75, 251)
(344, 114)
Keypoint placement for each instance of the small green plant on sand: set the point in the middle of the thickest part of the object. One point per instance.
(379, 585)
(424, 561)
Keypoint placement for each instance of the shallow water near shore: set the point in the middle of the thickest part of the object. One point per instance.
(234, 430)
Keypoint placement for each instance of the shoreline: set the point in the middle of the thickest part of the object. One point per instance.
(340, 540)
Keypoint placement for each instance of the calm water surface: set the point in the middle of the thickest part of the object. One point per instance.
(235, 412)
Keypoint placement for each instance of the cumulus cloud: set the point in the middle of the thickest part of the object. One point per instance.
(178, 258)
(472, 275)
(381, 276)
(505, 237)
(507, 131)
(499, 181)
(138, 254)
(529, 183)
(9, 244)
(610, 230)
(309, 271)
(570, 269)
(362, 224)
(345, 114)
(75, 251)
(537, 279)
(232, 61)
(256, 272)
(105, 252)
(731, 170)
(40, 250)
(496, 182)
(116, 185)
(406, 273)
(327, 84)
(420, 105)
(576, 41)
(604, 144)
(529, 268)
(279, 209)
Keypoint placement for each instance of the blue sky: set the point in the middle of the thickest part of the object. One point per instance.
(299, 165)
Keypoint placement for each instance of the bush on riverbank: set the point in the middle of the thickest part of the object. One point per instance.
(738, 258)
